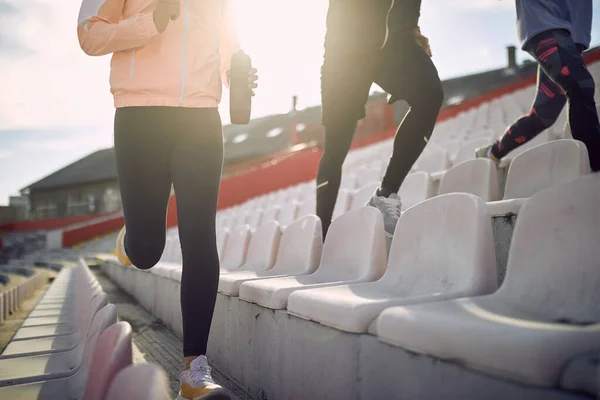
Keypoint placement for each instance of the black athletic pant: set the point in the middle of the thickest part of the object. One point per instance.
(157, 147)
(404, 71)
(560, 59)
(549, 102)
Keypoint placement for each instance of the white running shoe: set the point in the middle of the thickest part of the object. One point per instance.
(390, 208)
(197, 382)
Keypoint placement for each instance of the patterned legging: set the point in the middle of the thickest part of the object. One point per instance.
(562, 76)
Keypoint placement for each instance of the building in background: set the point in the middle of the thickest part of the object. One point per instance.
(87, 186)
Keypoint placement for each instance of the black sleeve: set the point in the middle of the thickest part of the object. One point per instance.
(417, 10)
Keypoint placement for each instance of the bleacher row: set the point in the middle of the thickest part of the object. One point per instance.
(297, 318)
(72, 347)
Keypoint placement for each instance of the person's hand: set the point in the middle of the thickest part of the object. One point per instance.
(422, 41)
(252, 78)
(165, 11)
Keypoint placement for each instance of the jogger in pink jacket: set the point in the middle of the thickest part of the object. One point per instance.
(169, 61)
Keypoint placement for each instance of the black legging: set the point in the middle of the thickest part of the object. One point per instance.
(157, 147)
(548, 103)
(404, 71)
(560, 59)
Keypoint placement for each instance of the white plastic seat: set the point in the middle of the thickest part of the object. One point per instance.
(342, 203)
(369, 175)
(54, 338)
(262, 249)
(467, 152)
(237, 247)
(43, 367)
(140, 382)
(222, 236)
(112, 354)
(443, 248)
(541, 167)
(255, 219)
(354, 252)
(478, 177)
(434, 161)
(271, 214)
(308, 207)
(299, 254)
(546, 311)
(73, 386)
(289, 212)
(362, 196)
(416, 187)
(349, 181)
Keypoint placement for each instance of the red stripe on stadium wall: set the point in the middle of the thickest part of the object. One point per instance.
(44, 224)
(300, 167)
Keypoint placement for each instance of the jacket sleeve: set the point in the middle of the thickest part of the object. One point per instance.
(229, 42)
(101, 29)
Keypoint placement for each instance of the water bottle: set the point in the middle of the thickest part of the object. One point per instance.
(240, 96)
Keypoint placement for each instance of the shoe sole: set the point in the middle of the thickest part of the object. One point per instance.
(216, 395)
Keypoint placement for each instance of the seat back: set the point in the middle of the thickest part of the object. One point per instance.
(354, 248)
(415, 188)
(140, 382)
(444, 245)
(433, 161)
(478, 177)
(467, 151)
(553, 265)
(112, 354)
(301, 247)
(546, 165)
(263, 247)
(362, 196)
(237, 247)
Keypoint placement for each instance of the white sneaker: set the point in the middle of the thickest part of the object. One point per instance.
(197, 382)
(390, 208)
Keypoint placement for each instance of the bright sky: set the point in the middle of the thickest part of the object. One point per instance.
(55, 104)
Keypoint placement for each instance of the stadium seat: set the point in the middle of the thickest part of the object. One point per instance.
(362, 196)
(443, 248)
(222, 236)
(237, 247)
(354, 251)
(255, 218)
(112, 354)
(43, 367)
(54, 338)
(369, 175)
(288, 213)
(140, 382)
(434, 161)
(299, 254)
(546, 311)
(342, 204)
(477, 177)
(416, 187)
(272, 213)
(262, 249)
(308, 207)
(467, 152)
(541, 167)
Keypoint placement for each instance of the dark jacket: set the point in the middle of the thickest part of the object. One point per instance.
(363, 26)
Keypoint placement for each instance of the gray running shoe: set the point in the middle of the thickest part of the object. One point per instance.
(390, 208)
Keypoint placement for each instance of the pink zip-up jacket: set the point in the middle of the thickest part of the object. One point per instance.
(182, 67)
